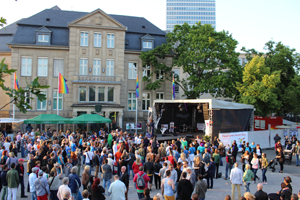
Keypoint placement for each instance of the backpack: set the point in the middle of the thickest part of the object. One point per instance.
(230, 160)
(206, 158)
(140, 182)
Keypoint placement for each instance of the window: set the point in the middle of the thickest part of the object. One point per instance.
(60, 100)
(41, 105)
(97, 67)
(43, 38)
(147, 44)
(159, 96)
(146, 101)
(42, 66)
(26, 66)
(146, 70)
(131, 101)
(110, 40)
(109, 68)
(82, 94)
(97, 39)
(83, 68)
(132, 70)
(58, 67)
(101, 94)
(160, 75)
(110, 94)
(84, 39)
(92, 94)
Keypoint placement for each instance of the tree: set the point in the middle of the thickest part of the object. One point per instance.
(18, 96)
(280, 57)
(258, 87)
(207, 56)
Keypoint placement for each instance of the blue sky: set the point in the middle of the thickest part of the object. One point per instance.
(251, 22)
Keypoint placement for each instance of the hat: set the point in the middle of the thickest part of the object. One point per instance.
(21, 160)
(288, 179)
(41, 172)
(34, 169)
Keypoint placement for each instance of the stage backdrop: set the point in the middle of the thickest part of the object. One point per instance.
(239, 137)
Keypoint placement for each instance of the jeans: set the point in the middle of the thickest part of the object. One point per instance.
(22, 187)
(84, 157)
(53, 194)
(4, 193)
(129, 167)
(297, 159)
(119, 169)
(210, 177)
(264, 178)
(106, 182)
(228, 167)
(201, 198)
(140, 195)
(217, 169)
(247, 185)
(221, 160)
(254, 173)
(33, 196)
(12, 192)
(75, 196)
(22, 151)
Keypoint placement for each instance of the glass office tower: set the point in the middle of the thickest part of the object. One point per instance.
(190, 11)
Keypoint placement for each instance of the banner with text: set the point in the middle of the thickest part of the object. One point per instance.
(239, 137)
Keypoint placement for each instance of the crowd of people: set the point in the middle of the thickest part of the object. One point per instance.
(60, 163)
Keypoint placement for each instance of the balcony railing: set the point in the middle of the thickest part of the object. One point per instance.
(97, 79)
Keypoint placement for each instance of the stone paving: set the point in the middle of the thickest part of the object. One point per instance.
(223, 187)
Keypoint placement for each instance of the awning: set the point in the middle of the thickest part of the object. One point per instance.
(47, 119)
(10, 120)
(89, 119)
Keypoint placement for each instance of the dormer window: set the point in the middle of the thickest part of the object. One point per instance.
(147, 44)
(43, 38)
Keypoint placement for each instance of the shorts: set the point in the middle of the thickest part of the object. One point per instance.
(151, 179)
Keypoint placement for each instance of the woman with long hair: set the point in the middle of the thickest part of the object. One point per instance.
(157, 167)
(245, 159)
(281, 158)
(198, 166)
(136, 165)
(264, 167)
(4, 157)
(255, 165)
(97, 190)
(60, 158)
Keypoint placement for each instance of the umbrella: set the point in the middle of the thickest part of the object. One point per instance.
(89, 119)
(47, 119)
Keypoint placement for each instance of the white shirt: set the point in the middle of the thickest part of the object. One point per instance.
(110, 162)
(236, 176)
(117, 190)
(89, 156)
(61, 190)
(115, 149)
(7, 144)
(32, 178)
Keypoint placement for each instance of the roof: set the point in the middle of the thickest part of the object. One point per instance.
(6, 36)
(213, 103)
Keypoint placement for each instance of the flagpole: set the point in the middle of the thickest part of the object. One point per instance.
(136, 115)
(57, 96)
(14, 108)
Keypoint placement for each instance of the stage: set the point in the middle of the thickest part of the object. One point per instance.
(169, 137)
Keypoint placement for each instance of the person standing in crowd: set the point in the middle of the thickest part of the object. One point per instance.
(97, 190)
(54, 184)
(88, 157)
(278, 145)
(31, 179)
(85, 176)
(20, 168)
(255, 165)
(184, 188)
(247, 178)
(41, 187)
(149, 169)
(236, 179)
(74, 183)
(4, 182)
(125, 179)
(276, 138)
(234, 149)
(297, 153)
(260, 194)
(281, 158)
(141, 181)
(106, 174)
(229, 163)
(12, 178)
(210, 173)
(201, 187)
(68, 167)
(157, 167)
(168, 187)
(63, 188)
(217, 160)
(117, 189)
(264, 167)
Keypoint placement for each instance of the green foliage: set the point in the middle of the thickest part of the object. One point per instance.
(207, 56)
(258, 87)
(206, 138)
(280, 57)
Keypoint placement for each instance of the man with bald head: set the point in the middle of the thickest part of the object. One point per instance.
(125, 179)
(260, 194)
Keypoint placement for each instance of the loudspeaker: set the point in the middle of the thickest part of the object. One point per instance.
(98, 108)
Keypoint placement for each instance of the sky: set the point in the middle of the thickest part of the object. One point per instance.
(251, 22)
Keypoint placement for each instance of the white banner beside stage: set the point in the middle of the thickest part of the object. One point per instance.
(239, 137)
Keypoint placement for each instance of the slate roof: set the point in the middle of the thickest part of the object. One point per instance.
(57, 21)
(6, 36)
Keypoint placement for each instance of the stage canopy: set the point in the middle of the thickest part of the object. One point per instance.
(89, 119)
(47, 119)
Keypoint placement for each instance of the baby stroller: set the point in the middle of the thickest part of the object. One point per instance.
(288, 154)
(272, 164)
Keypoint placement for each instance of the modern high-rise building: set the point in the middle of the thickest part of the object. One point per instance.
(190, 11)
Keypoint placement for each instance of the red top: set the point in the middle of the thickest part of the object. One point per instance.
(22, 169)
(278, 145)
(118, 156)
(171, 159)
(136, 167)
(146, 179)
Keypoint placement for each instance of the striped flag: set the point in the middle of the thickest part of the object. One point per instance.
(62, 82)
(173, 88)
(16, 83)
(137, 87)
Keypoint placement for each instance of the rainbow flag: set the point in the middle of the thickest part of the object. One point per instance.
(137, 87)
(62, 85)
(173, 88)
(16, 83)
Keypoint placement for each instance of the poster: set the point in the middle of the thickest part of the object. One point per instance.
(208, 127)
(239, 137)
(200, 126)
(132, 126)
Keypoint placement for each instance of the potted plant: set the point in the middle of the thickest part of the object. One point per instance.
(206, 138)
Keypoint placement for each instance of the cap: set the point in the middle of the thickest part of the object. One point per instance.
(288, 179)
(21, 160)
(41, 173)
(34, 169)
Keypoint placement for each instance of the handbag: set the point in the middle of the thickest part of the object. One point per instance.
(91, 161)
